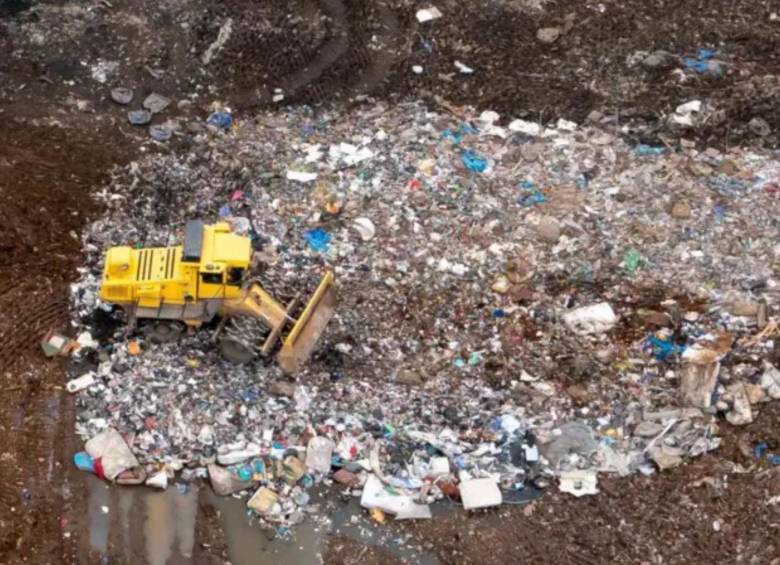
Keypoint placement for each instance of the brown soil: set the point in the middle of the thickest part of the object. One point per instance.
(53, 157)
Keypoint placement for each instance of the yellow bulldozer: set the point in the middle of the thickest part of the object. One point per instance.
(208, 277)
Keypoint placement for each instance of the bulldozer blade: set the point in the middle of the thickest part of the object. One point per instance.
(303, 337)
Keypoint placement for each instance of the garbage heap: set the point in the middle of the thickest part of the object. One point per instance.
(519, 306)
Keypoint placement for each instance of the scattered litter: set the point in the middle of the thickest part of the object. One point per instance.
(221, 120)
(579, 483)
(318, 240)
(301, 176)
(463, 69)
(80, 383)
(139, 117)
(122, 95)
(428, 14)
(156, 103)
(113, 453)
(365, 228)
(594, 319)
(479, 493)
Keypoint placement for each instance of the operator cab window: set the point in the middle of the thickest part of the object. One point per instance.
(235, 275)
(211, 278)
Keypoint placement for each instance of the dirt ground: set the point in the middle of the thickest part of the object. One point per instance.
(61, 136)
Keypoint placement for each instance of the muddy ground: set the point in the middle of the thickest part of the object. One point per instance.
(60, 137)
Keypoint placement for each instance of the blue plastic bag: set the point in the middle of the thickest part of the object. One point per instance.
(643, 150)
(84, 461)
(474, 162)
(318, 239)
(222, 120)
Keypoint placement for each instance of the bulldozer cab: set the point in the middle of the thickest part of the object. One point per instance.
(222, 258)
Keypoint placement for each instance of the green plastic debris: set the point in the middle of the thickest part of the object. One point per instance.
(632, 261)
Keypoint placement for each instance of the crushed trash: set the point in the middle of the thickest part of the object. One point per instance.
(478, 263)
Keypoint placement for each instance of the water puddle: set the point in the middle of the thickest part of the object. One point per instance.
(158, 527)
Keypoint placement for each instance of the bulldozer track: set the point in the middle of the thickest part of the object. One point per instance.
(310, 63)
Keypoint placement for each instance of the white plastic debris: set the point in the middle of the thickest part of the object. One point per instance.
(301, 176)
(770, 381)
(683, 114)
(237, 456)
(402, 506)
(593, 319)
(417, 69)
(114, 453)
(318, 454)
(579, 482)
(439, 466)
(480, 493)
(428, 14)
(80, 383)
(158, 480)
(222, 37)
(565, 125)
(463, 69)
(528, 128)
(365, 228)
(86, 340)
(349, 154)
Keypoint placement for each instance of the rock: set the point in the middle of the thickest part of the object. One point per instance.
(156, 103)
(409, 377)
(681, 210)
(595, 116)
(501, 284)
(762, 318)
(451, 414)
(575, 438)
(548, 229)
(746, 308)
(728, 167)
(658, 60)
(697, 383)
(344, 477)
(548, 34)
(760, 127)
(648, 429)
(139, 117)
(122, 95)
(664, 458)
(755, 393)
(530, 152)
(740, 413)
(282, 388)
(579, 394)
(770, 381)
(655, 318)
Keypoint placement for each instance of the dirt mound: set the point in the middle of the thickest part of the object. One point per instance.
(331, 50)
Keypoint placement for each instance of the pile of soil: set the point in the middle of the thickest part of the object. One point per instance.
(335, 50)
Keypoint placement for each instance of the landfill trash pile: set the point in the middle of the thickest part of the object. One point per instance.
(519, 306)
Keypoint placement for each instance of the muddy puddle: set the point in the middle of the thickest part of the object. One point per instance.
(141, 525)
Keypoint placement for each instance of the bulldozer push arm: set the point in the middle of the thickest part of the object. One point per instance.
(298, 344)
